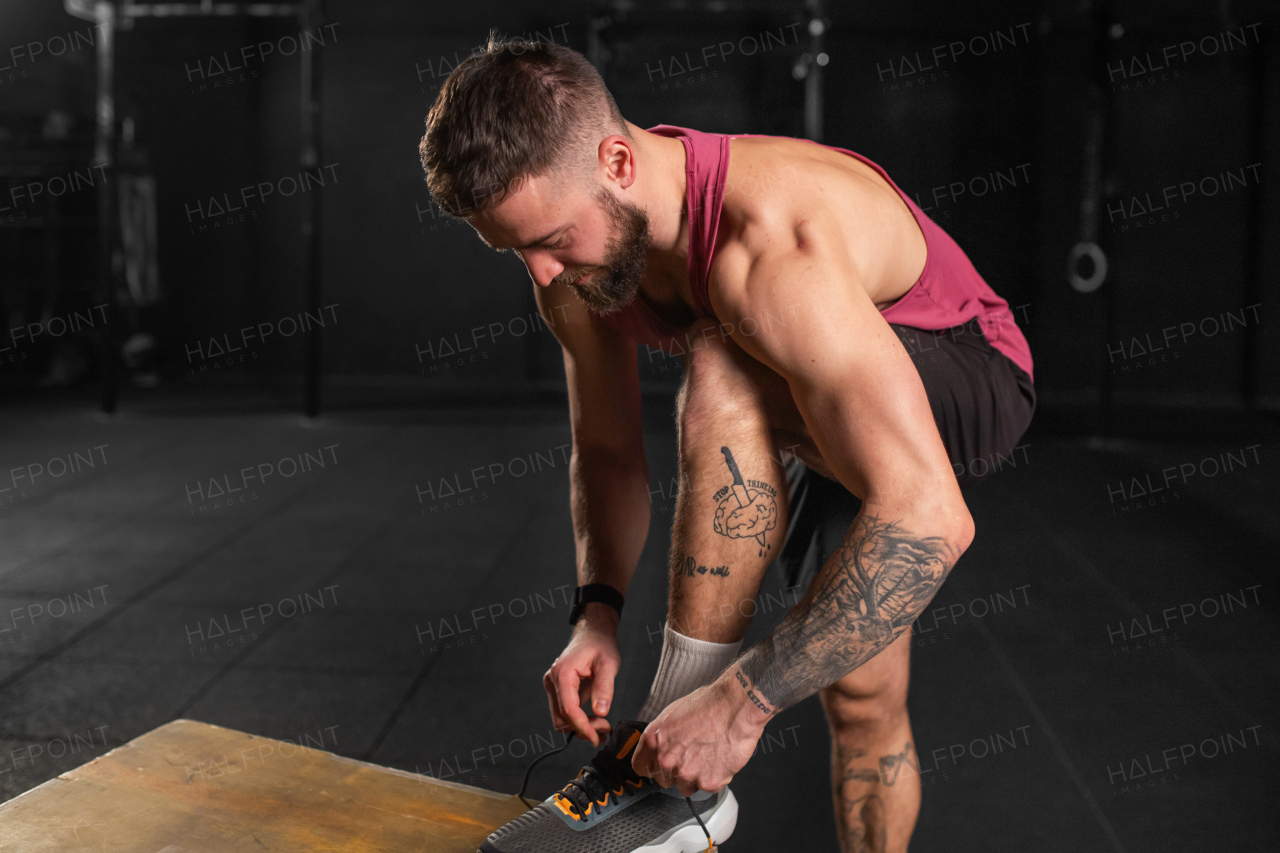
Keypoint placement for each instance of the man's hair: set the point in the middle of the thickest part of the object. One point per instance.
(516, 109)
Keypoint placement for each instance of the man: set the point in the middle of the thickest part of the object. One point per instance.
(845, 368)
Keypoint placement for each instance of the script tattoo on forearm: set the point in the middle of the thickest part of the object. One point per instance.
(871, 589)
(751, 694)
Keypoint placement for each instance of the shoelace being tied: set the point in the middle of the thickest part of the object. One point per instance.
(568, 739)
(593, 785)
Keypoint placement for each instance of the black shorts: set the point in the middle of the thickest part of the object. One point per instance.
(982, 403)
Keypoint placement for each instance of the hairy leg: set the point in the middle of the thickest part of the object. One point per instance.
(729, 524)
(875, 772)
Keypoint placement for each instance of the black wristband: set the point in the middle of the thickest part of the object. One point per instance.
(600, 592)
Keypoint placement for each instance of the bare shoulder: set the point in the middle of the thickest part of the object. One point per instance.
(789, 197)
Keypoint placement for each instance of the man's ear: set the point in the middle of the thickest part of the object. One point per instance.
(618, 160)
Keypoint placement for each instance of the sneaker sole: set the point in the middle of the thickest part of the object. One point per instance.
(688, 837)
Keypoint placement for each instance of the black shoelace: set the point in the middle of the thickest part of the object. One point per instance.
(568, 739)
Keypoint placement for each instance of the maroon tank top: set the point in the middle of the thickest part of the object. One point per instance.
(949, 291)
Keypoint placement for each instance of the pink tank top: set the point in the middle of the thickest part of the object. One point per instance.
(949, 292)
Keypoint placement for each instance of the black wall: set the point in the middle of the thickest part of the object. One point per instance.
(402, 276)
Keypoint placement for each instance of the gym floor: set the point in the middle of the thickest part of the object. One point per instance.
(1095, 675)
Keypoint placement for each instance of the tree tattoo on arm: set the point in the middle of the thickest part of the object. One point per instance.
(873, 587)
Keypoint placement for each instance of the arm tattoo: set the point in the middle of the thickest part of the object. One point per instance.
(751, 694)
(872, 588)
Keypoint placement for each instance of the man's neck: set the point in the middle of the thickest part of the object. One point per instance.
(661, 160)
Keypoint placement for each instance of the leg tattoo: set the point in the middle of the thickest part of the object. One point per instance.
(866, 829)
(747, 509)
(888, 771)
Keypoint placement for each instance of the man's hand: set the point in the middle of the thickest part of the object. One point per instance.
(700, 741)
(585, 671)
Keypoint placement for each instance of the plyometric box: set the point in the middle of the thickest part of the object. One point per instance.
(189, 787)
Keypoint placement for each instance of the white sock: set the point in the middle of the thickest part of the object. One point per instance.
(686, 664)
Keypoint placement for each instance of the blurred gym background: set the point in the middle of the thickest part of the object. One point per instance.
(218, 254)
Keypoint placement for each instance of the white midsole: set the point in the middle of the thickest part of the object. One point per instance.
(689, 837)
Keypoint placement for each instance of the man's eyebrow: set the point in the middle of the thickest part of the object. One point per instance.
(531, 244)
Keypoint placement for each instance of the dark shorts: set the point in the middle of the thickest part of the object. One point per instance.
(982, 403)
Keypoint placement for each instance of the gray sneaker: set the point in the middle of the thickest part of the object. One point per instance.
(609, 808)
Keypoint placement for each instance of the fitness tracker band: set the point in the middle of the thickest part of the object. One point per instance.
(600, 592)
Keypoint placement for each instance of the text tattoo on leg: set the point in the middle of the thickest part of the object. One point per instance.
(689, 567)
(883, 577)
(745, 509)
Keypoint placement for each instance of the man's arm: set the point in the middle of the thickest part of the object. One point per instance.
(608, 489)
(866, 408)
(609, 478)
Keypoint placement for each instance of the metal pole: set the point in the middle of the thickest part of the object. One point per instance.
(1105, 33)
(104, 159)
(1253, 248)
(813, 118)
(596, 53)
(312, 211)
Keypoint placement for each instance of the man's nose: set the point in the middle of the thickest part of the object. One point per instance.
(543, 268)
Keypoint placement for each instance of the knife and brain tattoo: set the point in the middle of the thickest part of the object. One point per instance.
(745, 509)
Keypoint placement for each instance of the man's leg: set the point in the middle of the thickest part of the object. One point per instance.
(729, 524)
(875, 777)
(982, 408)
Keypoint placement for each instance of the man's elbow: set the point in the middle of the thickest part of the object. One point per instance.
(961, 534)
(930, 505)
(947, 522)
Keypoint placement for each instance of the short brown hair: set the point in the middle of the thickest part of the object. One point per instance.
(515, 109)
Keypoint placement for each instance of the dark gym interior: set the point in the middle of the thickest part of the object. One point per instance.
(238, 266)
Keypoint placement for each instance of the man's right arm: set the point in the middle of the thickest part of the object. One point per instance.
(608, 488)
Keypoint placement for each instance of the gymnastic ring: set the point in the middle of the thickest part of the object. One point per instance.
(1094, 252)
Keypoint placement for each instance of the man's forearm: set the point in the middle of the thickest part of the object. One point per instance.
(871, 589)
(609, 503)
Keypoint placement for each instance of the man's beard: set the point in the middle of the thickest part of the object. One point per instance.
(615, 283)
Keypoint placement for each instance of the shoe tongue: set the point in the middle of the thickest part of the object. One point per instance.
(619, 748)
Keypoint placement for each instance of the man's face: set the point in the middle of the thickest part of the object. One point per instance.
(591, 242)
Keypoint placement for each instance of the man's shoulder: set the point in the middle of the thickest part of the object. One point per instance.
(791, 201)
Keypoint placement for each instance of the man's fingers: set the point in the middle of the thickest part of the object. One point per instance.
(553, 699)
(602, 686)
(568, 683)
(640, 758)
